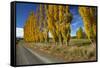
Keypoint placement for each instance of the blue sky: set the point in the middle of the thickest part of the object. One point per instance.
(76, 21)
(23, 10)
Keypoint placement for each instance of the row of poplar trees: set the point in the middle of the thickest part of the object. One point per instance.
(54, 19)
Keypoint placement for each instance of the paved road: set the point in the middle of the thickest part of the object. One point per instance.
(25, 56)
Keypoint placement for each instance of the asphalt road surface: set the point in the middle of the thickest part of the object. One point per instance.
(26, 56)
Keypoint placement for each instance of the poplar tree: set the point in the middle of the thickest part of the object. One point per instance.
(30, 28)
(79, 33)
(46, 30)
(88, 15)
(51, 24)
(61, 17)
(65, 25)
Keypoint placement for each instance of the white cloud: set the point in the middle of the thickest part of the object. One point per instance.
(19, 32)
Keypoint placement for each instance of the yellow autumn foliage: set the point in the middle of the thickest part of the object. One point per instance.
(49, 18)
(88, 15)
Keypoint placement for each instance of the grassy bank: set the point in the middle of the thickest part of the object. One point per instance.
(79, 50)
